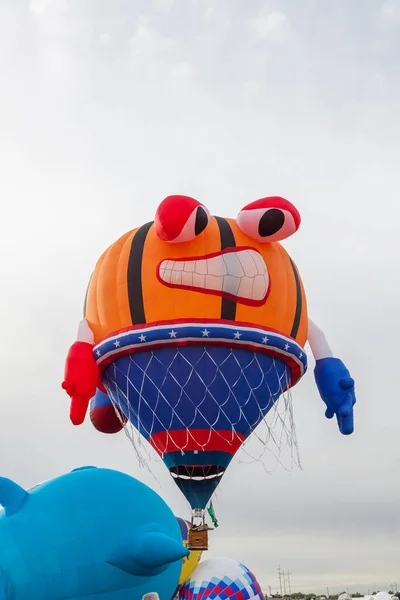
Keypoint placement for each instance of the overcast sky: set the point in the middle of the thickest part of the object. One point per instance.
(106, 107)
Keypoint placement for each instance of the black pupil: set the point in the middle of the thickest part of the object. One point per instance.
(201, 220)
(271, 222)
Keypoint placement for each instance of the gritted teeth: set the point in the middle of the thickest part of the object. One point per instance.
(240, 273)
(197, 473)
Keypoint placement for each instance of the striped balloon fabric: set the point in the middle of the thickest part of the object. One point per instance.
(221, 579)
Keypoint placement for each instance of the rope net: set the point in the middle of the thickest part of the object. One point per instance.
(205, 391)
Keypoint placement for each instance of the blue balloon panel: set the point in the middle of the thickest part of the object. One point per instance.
(196, 405)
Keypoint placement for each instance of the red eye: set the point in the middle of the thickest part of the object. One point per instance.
(269, 220)
(180, 219)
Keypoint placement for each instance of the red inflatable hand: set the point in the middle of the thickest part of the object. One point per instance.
(80, 379)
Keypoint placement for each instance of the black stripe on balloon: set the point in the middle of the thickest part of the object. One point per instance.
(299, 302)
(86, 295)
(134, 283)
(228, 306)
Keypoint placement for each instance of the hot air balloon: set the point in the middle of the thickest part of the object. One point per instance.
(193, 327)
(221, 578)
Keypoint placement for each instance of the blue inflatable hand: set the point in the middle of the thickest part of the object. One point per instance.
(336, 389)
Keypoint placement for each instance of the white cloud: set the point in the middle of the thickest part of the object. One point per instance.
(210, 10)
(55, 20)
(164, 5)
(40, 7)
(251, 89)
(56, 59)
(182, 70)
(147, 40)
(390, 11)
(270, 24)
(105, 38)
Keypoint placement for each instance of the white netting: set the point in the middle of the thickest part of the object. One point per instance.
(240, 391)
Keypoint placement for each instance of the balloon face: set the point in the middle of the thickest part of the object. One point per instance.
(199, 325)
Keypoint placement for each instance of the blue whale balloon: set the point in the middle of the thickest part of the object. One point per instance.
(92, 533)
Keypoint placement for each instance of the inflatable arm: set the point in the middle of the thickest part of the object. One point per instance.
(80, 373)
(81, 382)
(334, 383)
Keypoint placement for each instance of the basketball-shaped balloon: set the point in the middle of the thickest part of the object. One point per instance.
(198, 324)
(194, 327)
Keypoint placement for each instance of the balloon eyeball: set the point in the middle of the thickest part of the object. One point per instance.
(269, 219)
(180, 219)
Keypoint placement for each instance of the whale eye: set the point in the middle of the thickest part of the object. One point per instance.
(180, 219)
(269, 219)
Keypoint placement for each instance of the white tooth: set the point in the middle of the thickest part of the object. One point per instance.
(174, 475)
(259, 287)
(179, 265)
(245, 288)
(231, 285)
(190, 266)
(166, 275)
(213, 282)
(187, 278)
(247, 262)
(242, 274)
(261, 268)
(201, 267)
(176, 277)
(199, 281)
(216, 266)
(233, 264)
